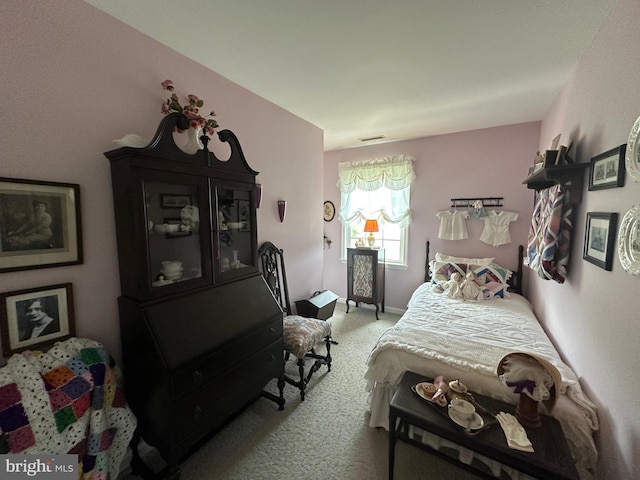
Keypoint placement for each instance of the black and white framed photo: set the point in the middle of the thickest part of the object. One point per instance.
(36, 317)
(39, 224)
(607, 169)
(599, 238)
(172, 200)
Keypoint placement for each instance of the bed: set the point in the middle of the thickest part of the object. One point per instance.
(466, 340)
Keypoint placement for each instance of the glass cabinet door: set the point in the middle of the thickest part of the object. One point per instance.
(235, 229)
(174, 224)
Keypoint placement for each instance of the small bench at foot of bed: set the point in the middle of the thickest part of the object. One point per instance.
(551, 457)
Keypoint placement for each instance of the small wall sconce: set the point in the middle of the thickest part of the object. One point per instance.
(282, 209)
(258, 189)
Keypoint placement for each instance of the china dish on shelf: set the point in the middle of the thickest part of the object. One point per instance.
(629, 241)
(475, 423)
(632, 156)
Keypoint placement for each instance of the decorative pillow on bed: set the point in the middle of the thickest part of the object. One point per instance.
(492, 273)
(493, 277)
(495, 290)
(441, 271)
(443, 257)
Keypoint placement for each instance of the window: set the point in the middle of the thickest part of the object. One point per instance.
(377, 189)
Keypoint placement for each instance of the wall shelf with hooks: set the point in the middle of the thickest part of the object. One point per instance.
(570, 176)
(469, 201)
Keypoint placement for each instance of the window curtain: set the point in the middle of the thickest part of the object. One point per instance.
(390, 176)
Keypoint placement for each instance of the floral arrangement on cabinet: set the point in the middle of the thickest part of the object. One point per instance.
(191, 110)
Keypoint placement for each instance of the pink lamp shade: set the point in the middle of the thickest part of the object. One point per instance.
(371, 226)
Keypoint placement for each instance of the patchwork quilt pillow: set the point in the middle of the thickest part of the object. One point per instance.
(492, 273)
(442, 271)
(495, 290)
(493, 278)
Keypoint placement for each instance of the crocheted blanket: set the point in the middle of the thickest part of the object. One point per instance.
(67, 400)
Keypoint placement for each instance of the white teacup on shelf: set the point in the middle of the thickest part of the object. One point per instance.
(171, 269)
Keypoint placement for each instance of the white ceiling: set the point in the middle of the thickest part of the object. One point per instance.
(364, 68)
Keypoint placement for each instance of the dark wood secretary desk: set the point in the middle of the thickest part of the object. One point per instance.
(201, 332)
(365, 277)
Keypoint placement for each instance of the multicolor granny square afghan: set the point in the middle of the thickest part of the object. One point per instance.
(67, 400)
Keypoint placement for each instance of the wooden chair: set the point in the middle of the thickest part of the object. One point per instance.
(300, 334)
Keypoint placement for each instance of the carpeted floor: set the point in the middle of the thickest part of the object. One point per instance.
(326, 437)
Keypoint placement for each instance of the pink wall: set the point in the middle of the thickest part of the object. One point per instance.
(594, 316)
(482, 163)
(73, 79)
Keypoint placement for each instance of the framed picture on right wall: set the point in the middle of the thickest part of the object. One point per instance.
(599, 239)
(607, 169)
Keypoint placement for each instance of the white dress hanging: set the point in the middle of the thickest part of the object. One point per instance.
(478, 210)
(496, 227)
(453, 225)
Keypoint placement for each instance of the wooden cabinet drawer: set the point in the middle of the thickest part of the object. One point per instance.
(200, 412)
(206, 370)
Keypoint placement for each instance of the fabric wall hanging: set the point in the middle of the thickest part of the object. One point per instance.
(548, 245)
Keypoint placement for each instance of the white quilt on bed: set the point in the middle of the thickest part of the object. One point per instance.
(467, 340)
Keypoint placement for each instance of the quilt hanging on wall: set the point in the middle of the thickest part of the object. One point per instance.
(549, 241)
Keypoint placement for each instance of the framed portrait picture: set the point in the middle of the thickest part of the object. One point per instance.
(172, 200)
(599, 238)
(39, 224)
(607, 169)
(37, 317)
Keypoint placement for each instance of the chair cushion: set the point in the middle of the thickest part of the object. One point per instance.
(301, 334)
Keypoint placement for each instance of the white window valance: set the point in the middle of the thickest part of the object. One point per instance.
(390, 177)
(394, 173)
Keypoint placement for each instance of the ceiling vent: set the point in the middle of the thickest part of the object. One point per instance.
(371, 139)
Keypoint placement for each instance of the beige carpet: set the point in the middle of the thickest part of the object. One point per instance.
(327, 436)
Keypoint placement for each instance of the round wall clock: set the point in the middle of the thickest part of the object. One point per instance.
(329, 211)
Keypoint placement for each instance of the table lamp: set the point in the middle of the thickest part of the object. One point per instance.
(371, 226)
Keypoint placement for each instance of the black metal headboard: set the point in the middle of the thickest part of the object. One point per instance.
(515, 282)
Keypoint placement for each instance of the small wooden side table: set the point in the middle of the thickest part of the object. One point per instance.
(365, 277)
(550, 460)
